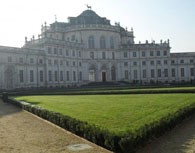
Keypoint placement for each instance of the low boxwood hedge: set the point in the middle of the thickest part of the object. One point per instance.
(126, 143)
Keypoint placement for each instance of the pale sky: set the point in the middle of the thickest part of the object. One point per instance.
(150, 19)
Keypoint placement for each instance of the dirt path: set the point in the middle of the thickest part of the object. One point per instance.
(22, 132)
(179, 140)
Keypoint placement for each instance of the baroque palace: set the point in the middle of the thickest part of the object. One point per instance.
(87, 49)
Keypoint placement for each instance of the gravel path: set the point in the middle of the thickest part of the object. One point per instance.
(22, 132)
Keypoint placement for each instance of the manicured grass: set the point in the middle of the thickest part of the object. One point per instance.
(117, 113)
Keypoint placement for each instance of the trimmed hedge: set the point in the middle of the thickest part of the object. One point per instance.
(127, 143)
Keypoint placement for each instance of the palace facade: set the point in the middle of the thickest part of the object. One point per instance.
(87, 49)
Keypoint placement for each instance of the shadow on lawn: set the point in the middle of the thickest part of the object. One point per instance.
(180, 140)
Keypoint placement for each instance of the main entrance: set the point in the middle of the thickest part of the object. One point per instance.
(103, 76)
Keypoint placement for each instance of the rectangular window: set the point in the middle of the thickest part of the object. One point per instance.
(125, 63)
(144, 73)
(80, 64)
(158, 53)
(73, 53)
(74, 75)
(165, 62)
(61, 76)
(143, 54)
(151, 53)
(73, 63)
(55, 51)
(125, 54)
(113, 55)
(92, 55)
(49, 50)
(49, 61)
(21, 76)
(151, 62)
(135, 74)
(143, 63)
(159, 62)
(61, 62)
(9, 59)
(134, 54)
(152, 73)
(103, 55)
(41, 76)
(56, 75)
(40, 61)
(166, 72)
(80, 75)
(192, 71)
(67, 63)
(21, 60)
(172, 61)
(67, 53)
(182, 72)
(55, 62)
(159, 72)
(173, 72)
(79, 54)
(191, 61)
(31, 60)
(126, 74)
(31, 76)
(165, 53)
(134, 63)
(181, 61)
(67, 75)
(50, 75)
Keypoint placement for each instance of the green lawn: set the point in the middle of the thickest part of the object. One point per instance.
(118, 113)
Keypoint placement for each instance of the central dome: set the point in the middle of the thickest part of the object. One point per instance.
(88, 13)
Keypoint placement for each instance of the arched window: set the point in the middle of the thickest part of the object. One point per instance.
(102, 42)
(111, 42)
(91, 42)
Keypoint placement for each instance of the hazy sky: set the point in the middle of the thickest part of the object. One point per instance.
(150, 19)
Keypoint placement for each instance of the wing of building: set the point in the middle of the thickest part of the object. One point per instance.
(87, 49)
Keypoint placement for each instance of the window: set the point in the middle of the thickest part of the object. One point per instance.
(67, 63)
(103, 55)
(151, 62)
(144, 73)
(166, 72)
(165, 53)
(61, 76)
(113, 55)
(134, 63)
(182, 72)
(143, 63)
(73, 63)
(165, 62)
(151, 53)
(9, 59)
(182, 61)
(192, 71)
(159, 72)
(40, 61)
(143, 54)
(80, 64)
(73, 53)
(74, 75)
(41, 76)
(61, 62)
(125, 63)
(21, 76)
(92, 55)
(49, 61)
(60, 51)
(126, 74)
(125, 54)
(50, 75)
(111, 42)
(134, 54)
(49, 50)
(73, 38)
(173, 72)
(158, 53)
(21, 60)
(102, 42)
(31, 76)
(80, 75)
(135, 74)
(67, 53)
(191, 61)
(152, 73)
(158, 62)
(172, 61)
(56, 75)
(91, 42)
(55, 51)
(31, 60)
(55, 62)
(67, 75)
(79, 54)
